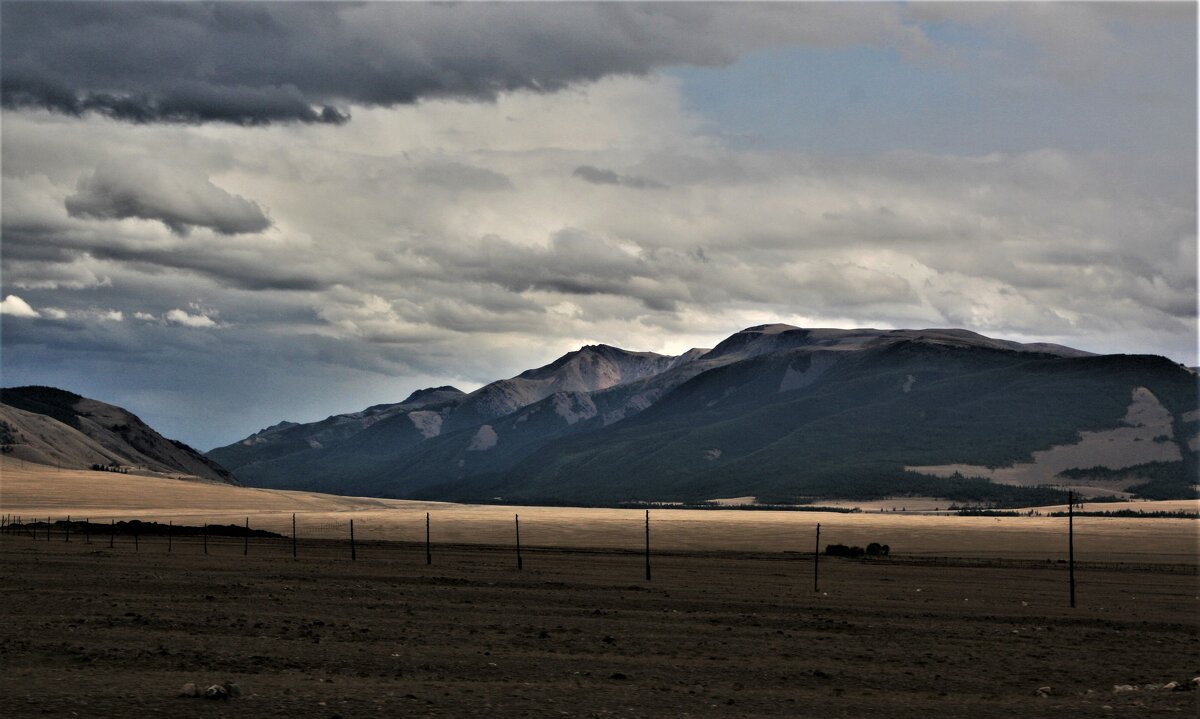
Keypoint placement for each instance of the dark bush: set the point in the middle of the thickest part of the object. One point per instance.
(841, 550)
(875, 549)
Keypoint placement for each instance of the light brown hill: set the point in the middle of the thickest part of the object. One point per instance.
(54, 427)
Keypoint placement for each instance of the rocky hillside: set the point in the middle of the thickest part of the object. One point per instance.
(53, 426)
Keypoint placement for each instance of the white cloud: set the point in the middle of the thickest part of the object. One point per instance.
(14, 306)
(180, 317)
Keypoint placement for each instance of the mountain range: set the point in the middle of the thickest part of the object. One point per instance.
(781, 413)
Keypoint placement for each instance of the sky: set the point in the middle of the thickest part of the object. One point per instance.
(223, 216)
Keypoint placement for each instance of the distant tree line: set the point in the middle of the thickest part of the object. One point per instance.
(110, 467)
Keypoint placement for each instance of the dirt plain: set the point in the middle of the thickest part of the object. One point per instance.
(88, 630)
(968, 617)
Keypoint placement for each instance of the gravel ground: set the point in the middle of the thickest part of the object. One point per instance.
(96, 632)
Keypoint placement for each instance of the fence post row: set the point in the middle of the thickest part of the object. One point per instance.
(14, 524)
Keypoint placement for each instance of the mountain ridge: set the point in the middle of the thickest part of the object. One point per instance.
(621, 413)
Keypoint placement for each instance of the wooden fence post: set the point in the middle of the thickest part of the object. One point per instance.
(817, 559)
(246, 538)
(67, 534)
(353, 551)
(205, 533)
(293, 535)
(517, 520)
(428, 550)
(87, 530)
(1071, 542)
(112, 532)
(647, 545)
(170, 532)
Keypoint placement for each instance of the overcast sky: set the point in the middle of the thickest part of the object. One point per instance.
(224, 216)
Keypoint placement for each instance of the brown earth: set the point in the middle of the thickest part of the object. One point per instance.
(90, 631)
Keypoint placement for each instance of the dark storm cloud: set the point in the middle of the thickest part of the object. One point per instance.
(598, 176)
(257, 63)
(178, 200)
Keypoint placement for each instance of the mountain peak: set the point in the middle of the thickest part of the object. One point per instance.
(772, 329)
(429, 395)
(277, 427)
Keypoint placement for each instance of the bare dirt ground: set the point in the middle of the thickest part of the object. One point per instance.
(96, 632)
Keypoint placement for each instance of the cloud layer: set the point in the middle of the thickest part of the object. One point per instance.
(178, 200)
(589, 199)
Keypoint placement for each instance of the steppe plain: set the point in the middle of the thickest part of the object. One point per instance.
(969, 616)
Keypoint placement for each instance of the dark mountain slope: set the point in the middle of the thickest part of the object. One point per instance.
(350, 453)
(251, 457)
(773, 410)
(849, 433)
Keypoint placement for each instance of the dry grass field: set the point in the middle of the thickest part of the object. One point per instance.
(39, 491)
